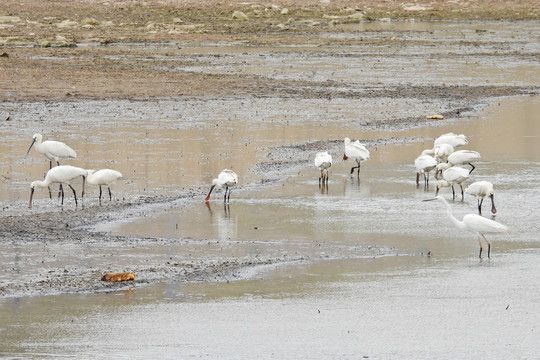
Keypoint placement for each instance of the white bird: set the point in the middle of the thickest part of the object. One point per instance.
(225, 178)
(53, 150)
(60, 174)
(451, 139)
(481, 189)
(443, 151)
(356, 151)
(475, 223)
(451, 176)
(424, 164)
(464, 157)
(323, 161)
(103, 177)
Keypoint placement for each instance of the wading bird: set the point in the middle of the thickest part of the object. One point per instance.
(461, 157)
(53, 150)
(442, 152)
(481, 189)
(103, 177)
(225, 178)
(451, 139)
(59, 174)
(474, 223)
(323, 161)
(451, 176)
(424, 164)
(356, 151)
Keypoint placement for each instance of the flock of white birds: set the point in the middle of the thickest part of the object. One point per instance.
(63, 174)
(443, 158)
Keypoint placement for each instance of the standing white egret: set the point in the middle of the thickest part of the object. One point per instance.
(60, 174)
(356, 151)
(451, 176)
(451, 139)
(481, 189)
(475, 223)
(424, 164)
(53, 150)
(225, 178)
(323, 161)
(103, 177)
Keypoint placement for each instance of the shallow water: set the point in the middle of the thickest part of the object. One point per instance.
(360, 273)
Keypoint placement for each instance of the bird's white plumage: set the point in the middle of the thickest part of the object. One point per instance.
(52, 150)
(481, 225)
(451, 139)
(323, 160)
(443, 151)
(456, 175)
(226, 177)
(59, 174)
(103, 176)
(463, 156)
(480, 189)
(355, 150)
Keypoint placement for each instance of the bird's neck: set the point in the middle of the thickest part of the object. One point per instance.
(456, 222)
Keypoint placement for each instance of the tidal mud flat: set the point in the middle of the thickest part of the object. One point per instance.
(170, 115)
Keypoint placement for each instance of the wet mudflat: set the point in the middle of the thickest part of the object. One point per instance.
(344, 267)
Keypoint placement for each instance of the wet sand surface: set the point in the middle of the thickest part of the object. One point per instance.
(344, 267)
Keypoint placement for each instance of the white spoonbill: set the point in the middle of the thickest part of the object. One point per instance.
(103, 177)
(459, 157)
(474, 223)
(53, 150)
(225, 178)
(424, 164)
(481, 189)
(451, 176)
(451, 139)
(59, 174)
(323, 161)
(443, 151)
(356, 151)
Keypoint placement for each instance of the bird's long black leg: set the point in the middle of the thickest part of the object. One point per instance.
(74, 194)
(462, 195)
(326, 177)
(60, 189)
(480, 243)
(57, 163)
(480, 205)
(229, 197)
(62, 192)
(110, 194)
(50, 164)
(359, 167)
(453, 193)
(352, 169)
(225, 197)
(50, 194)
(99, 194)
(472, 168)
(417, 179)
(489, 244)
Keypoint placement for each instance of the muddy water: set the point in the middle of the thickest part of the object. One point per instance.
(364, 274)
(367, 242)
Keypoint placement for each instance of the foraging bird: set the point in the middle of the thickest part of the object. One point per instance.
(451, 176)
(356, 151)
(60, 174)
(464, 157)
(475, 223)
(225, 178)
(424, 164)
(53, 150)
(481, 189)
(103, 177)
(443, 151)
(451, 139)
(323, 161)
